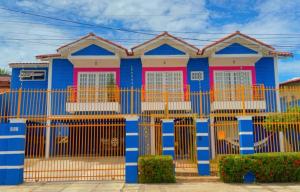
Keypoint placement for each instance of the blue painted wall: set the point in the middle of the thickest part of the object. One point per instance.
(27, 107)
(62, 73)
(62, 77)
(16, 83)
(93, 50)
(199, 64)
(130, 76)
(236, 48)
(164, 49)
(265, 74)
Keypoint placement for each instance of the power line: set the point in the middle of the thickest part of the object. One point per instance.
(144, 32)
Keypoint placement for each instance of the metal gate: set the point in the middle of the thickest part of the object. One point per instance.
(185, 138)
(76, 150)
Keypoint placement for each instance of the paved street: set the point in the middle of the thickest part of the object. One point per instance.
(119, 186)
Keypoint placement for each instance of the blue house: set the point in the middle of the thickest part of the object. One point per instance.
(94, 76)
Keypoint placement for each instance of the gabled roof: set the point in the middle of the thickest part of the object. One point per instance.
(237, 33)
(95, 36)
(165, 34)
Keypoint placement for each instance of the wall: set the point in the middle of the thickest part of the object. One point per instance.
(265, 75)
(199, 64)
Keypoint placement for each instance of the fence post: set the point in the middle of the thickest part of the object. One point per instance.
(132, 149)
(168, 139)
(246, 135)
(19, 102)
(12, 151)
(203, 153)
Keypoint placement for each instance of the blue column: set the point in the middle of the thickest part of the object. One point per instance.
(168, 138)
(12, 152)
(246, 135)
(132, 149)
(203, 153)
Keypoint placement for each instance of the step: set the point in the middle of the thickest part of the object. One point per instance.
(192, 179)
(186, 171)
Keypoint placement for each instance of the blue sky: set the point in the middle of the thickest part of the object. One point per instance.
(275, 22)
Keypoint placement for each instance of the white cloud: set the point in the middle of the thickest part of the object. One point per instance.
(273, 16)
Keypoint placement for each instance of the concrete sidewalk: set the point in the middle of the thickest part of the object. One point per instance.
(120, 186)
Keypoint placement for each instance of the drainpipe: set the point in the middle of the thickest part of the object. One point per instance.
(281, 136)
(48, 123)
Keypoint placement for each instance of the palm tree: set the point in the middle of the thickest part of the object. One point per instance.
(4, 71)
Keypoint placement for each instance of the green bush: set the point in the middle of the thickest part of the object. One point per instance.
(267, 167)
(156, 169)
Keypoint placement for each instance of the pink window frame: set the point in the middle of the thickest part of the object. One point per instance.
(95, 70)
(162, 69)
(230, 68)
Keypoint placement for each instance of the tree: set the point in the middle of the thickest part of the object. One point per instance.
(4, 71)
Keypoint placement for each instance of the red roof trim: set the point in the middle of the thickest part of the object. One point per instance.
(48, 56)
(281, 53)
(165, 34)
(93, 35)
(232, 35)
(290, 81)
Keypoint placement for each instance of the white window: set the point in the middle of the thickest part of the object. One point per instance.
(32, 75)
(169, 82)
(197, 75)
(228, 85)
(96, 86)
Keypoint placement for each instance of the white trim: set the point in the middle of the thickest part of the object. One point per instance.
(168, 148)
(93, 57)
(234, 37)
(132, 134)
(186, 56)
(12, 167)
(246, 133)
(246, 148)
(277, 83)
(17, 120)
(31, 65)
(131, 117)
(201, 75)
(240, 118)
(33, 70)
(235, 55)
(131, 164)
(153, 41)
(202, 148)
(202, 120)
(203, 162)
(201, 134)
(132, 149)
(11, 152)
(12, 136)
(167, 120)
(167, 134)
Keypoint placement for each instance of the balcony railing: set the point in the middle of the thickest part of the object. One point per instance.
(93, 94)
(35, 103)
(164, 93)
(239, 93)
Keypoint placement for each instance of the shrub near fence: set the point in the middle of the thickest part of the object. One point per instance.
(156, 169)
(267, 167)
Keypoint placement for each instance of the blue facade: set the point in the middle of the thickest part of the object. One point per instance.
(236, 48)
(265, 75)
(164, 49)
(62, 73)
(92, 50)
(16, 83)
